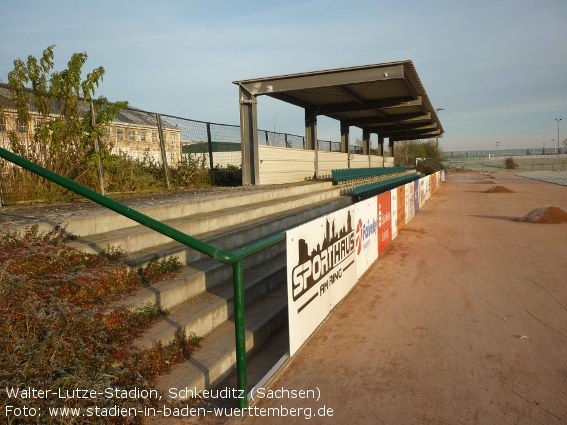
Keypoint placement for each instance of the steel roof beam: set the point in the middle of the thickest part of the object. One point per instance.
(369, 105)
(390, 119)
(330, 78)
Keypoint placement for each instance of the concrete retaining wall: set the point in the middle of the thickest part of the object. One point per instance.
(284, 165)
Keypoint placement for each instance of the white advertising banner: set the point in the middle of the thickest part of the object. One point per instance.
(366, 239)
(422, 191)
(321, 270)
(410, 201)
(394, 210)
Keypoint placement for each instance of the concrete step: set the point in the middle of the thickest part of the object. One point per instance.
(233, 237)
(194, 279)
(216, 359)
(203, 313)
(93, 221)
(203, 273)
(136, 238)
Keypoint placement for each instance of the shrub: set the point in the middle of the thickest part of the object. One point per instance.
(510, 163)
(56, 331)
(230, 175)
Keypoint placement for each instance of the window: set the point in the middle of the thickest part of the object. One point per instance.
(172, 140)
(154, 137)
(142, 136)
(118, 134)
(22, 126)
(131, 135)
(107, 133)
(2, 125)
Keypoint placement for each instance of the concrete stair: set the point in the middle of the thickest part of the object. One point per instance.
(199, 299)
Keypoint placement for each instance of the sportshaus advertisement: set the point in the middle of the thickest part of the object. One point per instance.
(321, 270)
(327, 256)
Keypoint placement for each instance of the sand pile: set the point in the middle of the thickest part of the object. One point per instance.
(499, 189)
(486, 181)
(548, 214)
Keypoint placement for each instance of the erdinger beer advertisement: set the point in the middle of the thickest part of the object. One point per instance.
(366, 234)
(321, 270)
(384, 221)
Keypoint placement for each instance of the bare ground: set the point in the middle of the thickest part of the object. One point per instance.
(462, 321)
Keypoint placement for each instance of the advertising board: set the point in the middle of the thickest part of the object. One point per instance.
(366, 234)
(401, 221)
(321, 270)
(384, 221)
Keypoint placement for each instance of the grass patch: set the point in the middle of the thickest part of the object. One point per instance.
(56, 332)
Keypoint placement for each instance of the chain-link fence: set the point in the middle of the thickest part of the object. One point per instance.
(138, 151)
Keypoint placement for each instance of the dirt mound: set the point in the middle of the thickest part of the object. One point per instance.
(548, 214)
(499, 189)
(486, 181)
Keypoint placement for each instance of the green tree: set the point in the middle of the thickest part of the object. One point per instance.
(411, 149)
(58, 104)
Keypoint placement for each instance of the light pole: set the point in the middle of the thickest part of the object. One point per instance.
(497, 154)
(437, 141)
(558, 119)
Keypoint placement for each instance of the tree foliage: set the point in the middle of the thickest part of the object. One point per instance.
(417, 148)
(58, 106)
(411, 149)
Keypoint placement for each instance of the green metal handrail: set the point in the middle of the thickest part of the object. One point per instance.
(234, 258)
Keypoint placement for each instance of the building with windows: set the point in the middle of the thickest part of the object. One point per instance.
(133, 133)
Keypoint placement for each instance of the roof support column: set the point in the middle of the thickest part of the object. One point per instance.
(365, 142)
(380, 145)
(249, 137)
(366, 145)
(391, 147)
(345, 128)
(310, 130)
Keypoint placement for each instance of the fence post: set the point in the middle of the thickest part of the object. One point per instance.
(163, 152)
(240, 333)
(210, 143)
(97, 150)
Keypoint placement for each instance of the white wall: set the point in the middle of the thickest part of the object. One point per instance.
(331, 161)
(284, 165)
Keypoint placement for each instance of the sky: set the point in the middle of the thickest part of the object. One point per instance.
(498, 68)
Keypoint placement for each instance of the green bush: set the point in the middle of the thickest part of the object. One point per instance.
(510, 163)
(230, 175)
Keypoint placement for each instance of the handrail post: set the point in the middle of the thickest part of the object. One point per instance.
(240, 331)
